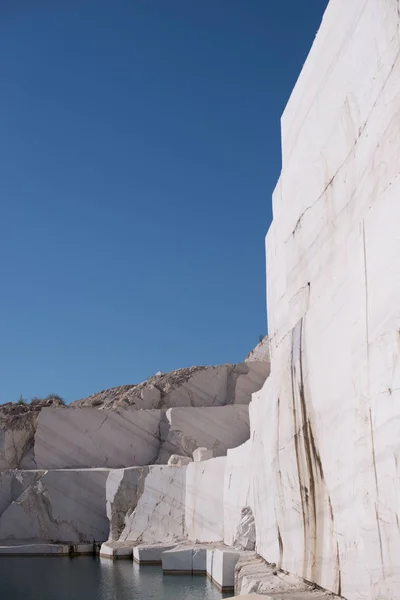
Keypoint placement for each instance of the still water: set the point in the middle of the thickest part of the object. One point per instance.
(90, 578)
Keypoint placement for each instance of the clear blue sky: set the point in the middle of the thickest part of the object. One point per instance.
(139, 147)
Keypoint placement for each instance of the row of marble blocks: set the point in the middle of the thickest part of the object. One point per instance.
(217, 563)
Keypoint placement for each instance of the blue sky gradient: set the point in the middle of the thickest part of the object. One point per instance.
(139, 148)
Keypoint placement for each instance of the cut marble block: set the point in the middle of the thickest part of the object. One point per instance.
(150, 555)
(254, 575)
(159, 515)
(67, 506)
(218, 428)
(221, 568)
(204, 510)
(201, 454)
(185, 560)
(116, 550)
(86, 437)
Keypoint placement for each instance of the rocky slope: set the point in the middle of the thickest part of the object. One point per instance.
(135, 425)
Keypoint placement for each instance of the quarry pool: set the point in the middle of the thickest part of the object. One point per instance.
(90, 578)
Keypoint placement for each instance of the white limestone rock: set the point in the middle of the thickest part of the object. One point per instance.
(238, 488)
(246, 533)
(260, 353)
(14, 483)
(116, 550)
(145, 554)
(254, 575)
(184, 560)
(204, 511)
(33, 548)
(123, 489)
(193, 386)
(218, 428)
(63, 506)
(16, 440)
(325, 427)
(159, 515)
(178, 461)
(221, 567)
(17, 430)
(201, 454)
(84, 437)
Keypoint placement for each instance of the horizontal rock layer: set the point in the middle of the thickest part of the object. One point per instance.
(134, 431)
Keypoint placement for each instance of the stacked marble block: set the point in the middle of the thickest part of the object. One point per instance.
(217, 563)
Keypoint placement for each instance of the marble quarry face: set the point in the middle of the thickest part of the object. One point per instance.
(171, 413)
(67, 505)
(86, 437)
(310, 479)
(326, 479)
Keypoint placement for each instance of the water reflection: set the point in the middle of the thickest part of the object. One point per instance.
(90, 578)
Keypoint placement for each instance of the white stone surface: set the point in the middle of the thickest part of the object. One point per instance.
(16, 444)
(150, 555)
(221, 567)
(260, 353)
(207, 387)
(177, 561)
(14, 483)
(245, 538)
(87, 437)
(123, 489)
(238, 488)
(326, 423)
(116, 550)
(184, 560)
(201, 454)
(199, 560)
(252, 381)
(217, 428)
(254, 575)
(178, 461)
(65, 506)
(195, 386)
(32, 547)
(159, 515)
(204, 511)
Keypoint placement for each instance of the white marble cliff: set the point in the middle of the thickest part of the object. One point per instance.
(326, 472)
(312, 481)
